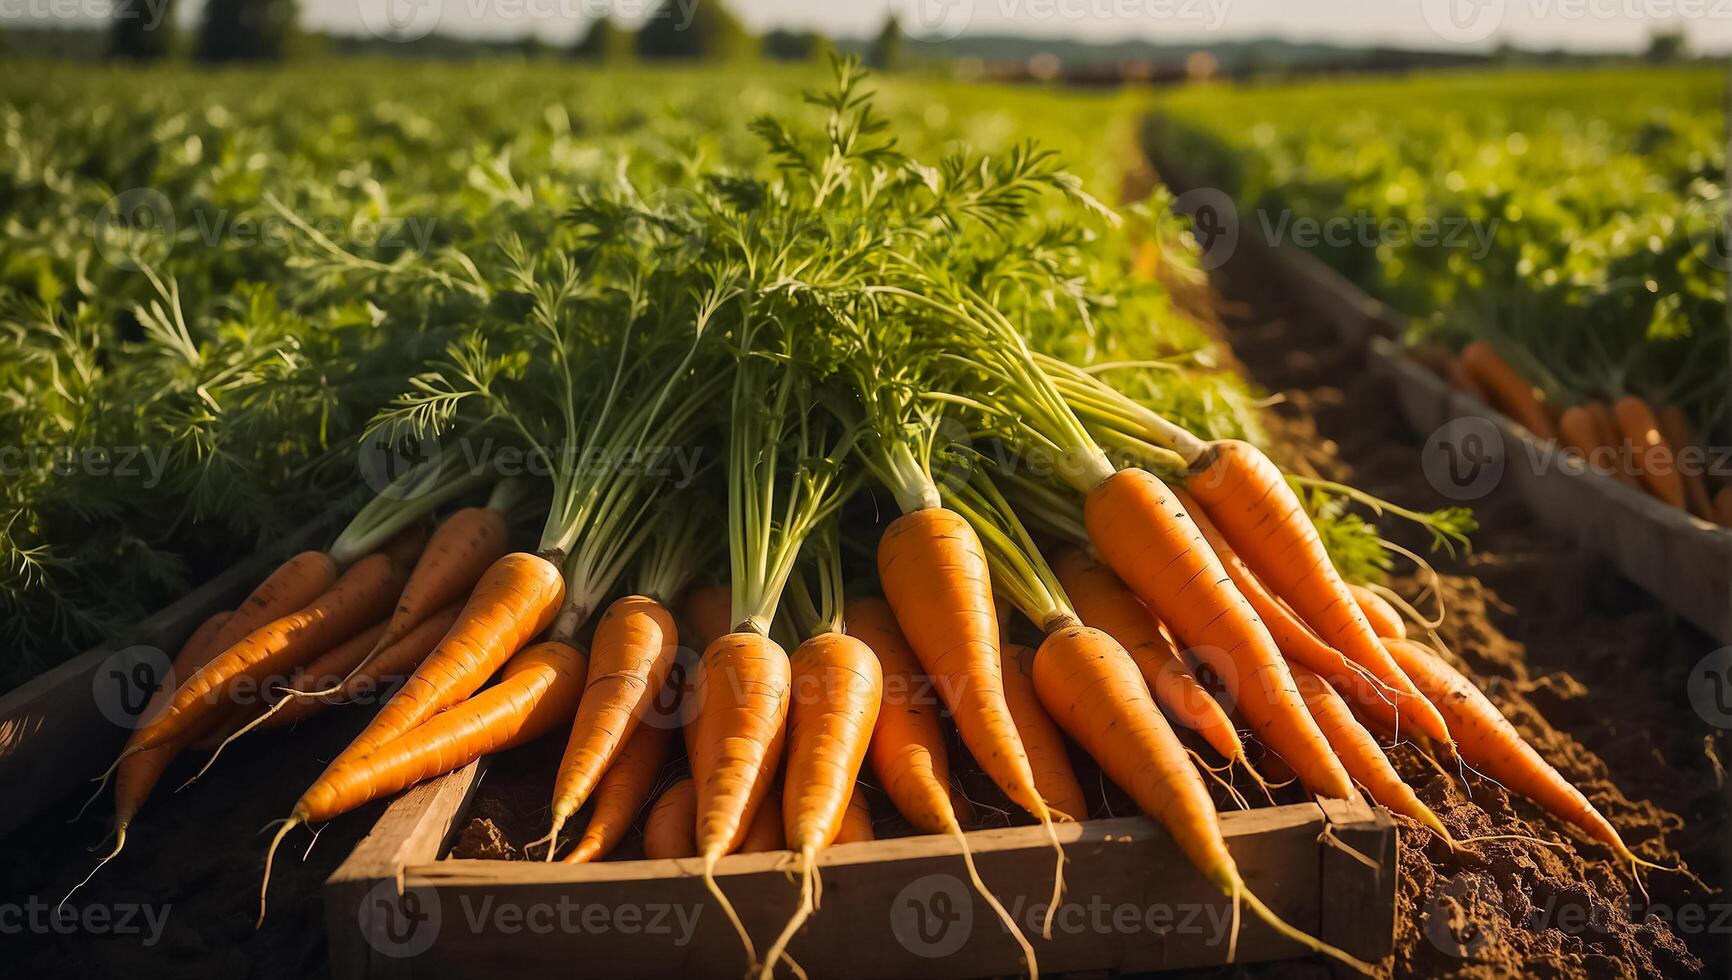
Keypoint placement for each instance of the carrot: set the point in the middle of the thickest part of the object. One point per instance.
(362, 595)
(935, 578)
(634, 649)
(1360, 753)
(1246, 498)
(838, 686)
(622, 792)
(765, 831)
(1510, 392)
(669, 830)
(1092, 688)
(856, 820)
(1655, 462)
(1384, 620)
(1723, 506)
(1485, 740)
(393, 662)
(907, 751)
(537, 692)
(1610, 455)
(138, 773)
(735, 745)
(294, 584)
(706, 613)
(1579, 431)
(1145, 535)
(517, 598)
(1464, 381)
(1103, 601)
(465, 545)
(1675, 428)
(1048, 754)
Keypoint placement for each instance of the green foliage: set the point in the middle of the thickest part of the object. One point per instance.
(703, 30)
(606, 41)
(886, 54)
(141, 30)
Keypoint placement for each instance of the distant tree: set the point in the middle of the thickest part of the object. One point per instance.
(695, 29)
(605, 40)
(246, 30)
(886, 51)
(143, 30)
(784, 45)
(1667, 46)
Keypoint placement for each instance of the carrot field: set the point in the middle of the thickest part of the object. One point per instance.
(555, 470)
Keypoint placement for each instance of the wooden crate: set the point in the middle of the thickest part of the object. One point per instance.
(65, 726)
(891, 908)
(1682, 560)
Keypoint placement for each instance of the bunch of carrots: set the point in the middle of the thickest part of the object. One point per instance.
(838, 370)
(1650, 448)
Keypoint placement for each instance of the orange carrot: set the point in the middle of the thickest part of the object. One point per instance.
(1510, 392)
(517, 598)
(1384, 620)
(1656, 463)
(935, 578)
(1486, 740)
(1610, 455)
(1464, 381)
(294, 584)
(1675, 428)
(1361, 754)
(1048, 754)
(907, 751)
(394, 662)
(1244, 495)
(1578, 431)
(670, 829)
(837, 687)
(634, 649)
(765, 831)
(1102, 601)
(1145, 535)
(856, 821)
(735, 746)
(455, 558)
(623, 790)
(362, 595)
(537, 692)
(1093, 690)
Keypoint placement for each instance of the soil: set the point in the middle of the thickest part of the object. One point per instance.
(1591, 671)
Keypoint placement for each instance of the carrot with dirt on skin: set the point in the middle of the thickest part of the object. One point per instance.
(138, 773)
(1104, 602)
(837, 687)
(1675, 428)
(1486, 741)
(668, 831)
(907, 752)
(1384, 620)
(622, 792)
(537, 691)
(1048, 754)
(1360, 753)
(1509, 392)
(1656, 462)
(1247, 499)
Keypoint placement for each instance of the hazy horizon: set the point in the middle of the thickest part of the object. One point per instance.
(1475, 25)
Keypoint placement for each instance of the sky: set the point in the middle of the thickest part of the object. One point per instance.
(1432, 24)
